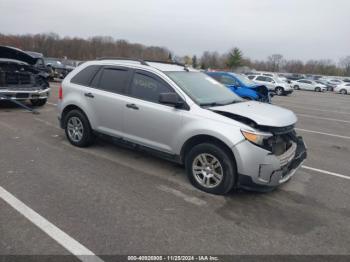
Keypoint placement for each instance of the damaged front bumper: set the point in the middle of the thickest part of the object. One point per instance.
(259, 169)
(24, 94)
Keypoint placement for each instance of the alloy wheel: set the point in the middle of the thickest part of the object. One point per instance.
(75, 129)
(207, 170)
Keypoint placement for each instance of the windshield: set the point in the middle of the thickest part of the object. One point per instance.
(53, 62)
(245, 80)
(203, 89)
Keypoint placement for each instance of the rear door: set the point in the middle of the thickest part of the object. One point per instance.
(106, 99)
(265, 81)
(146, 121)
(302, 84)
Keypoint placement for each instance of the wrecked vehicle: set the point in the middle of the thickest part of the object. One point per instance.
(57, 69)
(22, 77)
(182, 115)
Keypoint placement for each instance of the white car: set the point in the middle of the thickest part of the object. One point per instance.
(306, 84)
(273, 84)
(335, 81)
(343, 88)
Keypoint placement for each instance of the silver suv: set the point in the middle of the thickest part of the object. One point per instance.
(185, 116)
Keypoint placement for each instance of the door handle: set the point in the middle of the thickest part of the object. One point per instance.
(89, 95)
(132, 106)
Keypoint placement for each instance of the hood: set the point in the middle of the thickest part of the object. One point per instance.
(261, 113)
(16, 54)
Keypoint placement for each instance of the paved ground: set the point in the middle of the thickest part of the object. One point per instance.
(115, 201)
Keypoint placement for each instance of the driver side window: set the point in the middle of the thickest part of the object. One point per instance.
(146, 87)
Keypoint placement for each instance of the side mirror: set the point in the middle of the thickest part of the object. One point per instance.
(170, 99)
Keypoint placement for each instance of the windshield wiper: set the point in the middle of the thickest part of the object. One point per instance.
(211, 104)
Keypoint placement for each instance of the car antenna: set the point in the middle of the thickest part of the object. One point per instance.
(2, 97)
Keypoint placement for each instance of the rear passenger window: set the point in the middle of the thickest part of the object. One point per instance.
(114, 80)
(226, 80)
(84, 76)
(261, 78)
(148, 88)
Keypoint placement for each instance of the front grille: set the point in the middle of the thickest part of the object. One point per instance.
(287, 156)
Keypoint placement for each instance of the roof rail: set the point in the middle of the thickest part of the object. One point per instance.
(143, 62)
(165, 62)
(123, 58)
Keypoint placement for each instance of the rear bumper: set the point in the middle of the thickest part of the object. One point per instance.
(260, 170)
(24, 94)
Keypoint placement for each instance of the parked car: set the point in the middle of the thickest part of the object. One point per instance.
(57, 68)
(185, 116)
(343, 88)
(242, 86)
(329, 86)
(273, 84)
(294, 77)
(306, 84)
(335, 81)
(21, 77)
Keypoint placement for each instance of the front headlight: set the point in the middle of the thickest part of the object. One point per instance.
(255, 137)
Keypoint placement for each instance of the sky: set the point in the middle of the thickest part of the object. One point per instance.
(297, 29)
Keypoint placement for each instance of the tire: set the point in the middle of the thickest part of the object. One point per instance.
(279, 91)
(296, 87)
(78, 129)
(343, 92)
(317, 89)
(219, 180)
(38, 102)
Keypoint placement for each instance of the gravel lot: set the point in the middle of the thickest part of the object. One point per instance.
(113, 200)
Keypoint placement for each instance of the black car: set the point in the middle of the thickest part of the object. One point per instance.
(22, 77)
(57, 68)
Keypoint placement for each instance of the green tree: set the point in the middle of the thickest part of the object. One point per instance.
(235, 58)
(194, 61)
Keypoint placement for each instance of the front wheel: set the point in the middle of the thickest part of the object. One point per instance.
(78, 129)
(343, 92)
(279, 91)
(38, 102)
(317, 89)
(210, 168)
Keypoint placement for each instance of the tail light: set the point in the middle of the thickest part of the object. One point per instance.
(60, 93)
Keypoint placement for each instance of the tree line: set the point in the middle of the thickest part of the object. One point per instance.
(275, 63)
(52, 45)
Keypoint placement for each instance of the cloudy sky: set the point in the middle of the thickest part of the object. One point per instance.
(298, 29)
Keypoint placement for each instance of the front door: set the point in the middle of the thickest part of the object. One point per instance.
(146, 121)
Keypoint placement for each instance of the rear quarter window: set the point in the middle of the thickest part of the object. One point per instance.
(85, 76)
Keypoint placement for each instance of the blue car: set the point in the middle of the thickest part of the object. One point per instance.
(242, 86)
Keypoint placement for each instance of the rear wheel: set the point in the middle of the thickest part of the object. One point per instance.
(279, 91)
(343, 92)
(78, 129)
(38, 102)
(210, 168)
